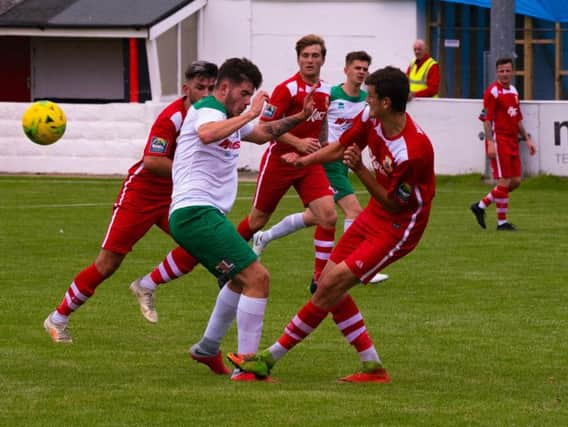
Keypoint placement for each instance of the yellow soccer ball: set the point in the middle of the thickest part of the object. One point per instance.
(44, 122)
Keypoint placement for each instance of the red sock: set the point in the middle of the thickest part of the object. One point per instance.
(324, 239)
(82, 288)
(489, 198)
(303, 323)
(244, 229)
(501, 203)
(349, 321)
(177, 263)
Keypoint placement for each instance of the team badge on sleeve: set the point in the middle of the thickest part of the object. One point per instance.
(269, 111)
(158, 145)
(404, 191)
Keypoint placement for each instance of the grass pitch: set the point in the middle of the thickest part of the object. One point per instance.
(472, 326)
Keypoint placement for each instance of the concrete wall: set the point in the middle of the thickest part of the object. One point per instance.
(108, 139)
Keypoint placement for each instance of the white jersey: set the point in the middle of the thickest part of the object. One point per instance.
(342, 110)
(206, 174)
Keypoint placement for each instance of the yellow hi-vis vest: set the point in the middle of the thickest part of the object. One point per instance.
(418, 77)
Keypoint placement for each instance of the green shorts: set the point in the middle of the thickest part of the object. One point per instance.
(205, 233)
(338, 175)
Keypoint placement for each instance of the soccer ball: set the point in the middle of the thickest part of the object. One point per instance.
(44, 122)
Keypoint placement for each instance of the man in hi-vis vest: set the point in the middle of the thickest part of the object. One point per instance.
(423, 73)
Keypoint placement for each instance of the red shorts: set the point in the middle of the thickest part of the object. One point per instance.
(134, 213)
(372, 243)
(507, 163)
(275, 179)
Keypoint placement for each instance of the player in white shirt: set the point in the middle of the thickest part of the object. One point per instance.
(204, 189)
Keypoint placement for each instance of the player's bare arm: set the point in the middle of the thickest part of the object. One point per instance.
(491, 153)
(303, 145)
(270, 130)
(324, 134)
(329, 153)
(215, 131)
(352, 158)
(265, 131)
(527, 137)
(158, 165)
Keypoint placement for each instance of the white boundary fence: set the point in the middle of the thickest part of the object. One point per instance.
(107, 139)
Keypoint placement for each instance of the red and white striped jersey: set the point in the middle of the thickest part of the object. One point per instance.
(502, 109)
(288, 99)
(161, 143)
(403, 164)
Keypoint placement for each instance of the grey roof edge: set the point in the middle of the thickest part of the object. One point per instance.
(46, 25)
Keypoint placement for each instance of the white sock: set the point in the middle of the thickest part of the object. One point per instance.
(347, 223)
(277, 351)
(250, 315)
(288, 225)
(370, 355)
(59, 318)
(220, 320)
(147, 283)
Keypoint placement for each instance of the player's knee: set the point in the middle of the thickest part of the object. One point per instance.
(514, 184)
(353, 213)
(328, 218)
(108, 262)
(258, 220)
(255, 280)
(328, 293)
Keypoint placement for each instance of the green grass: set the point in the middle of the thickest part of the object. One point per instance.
(473, 325)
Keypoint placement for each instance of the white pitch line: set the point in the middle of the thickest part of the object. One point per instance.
(96, 205)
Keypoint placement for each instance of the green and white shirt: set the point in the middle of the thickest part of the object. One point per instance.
(342, 110)
(206, 174)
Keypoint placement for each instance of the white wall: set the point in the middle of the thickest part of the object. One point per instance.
(266, 31)
(108, 139)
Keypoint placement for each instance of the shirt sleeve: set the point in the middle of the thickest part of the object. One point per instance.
(404, 180)
(162, 138)
(489, 102)
(246, 130)
(357, 133)
(278, 104)
(208, 115)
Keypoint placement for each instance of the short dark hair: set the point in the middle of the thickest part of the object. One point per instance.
(201, 69)
(391, 82)
(358, 55)
(310, 40)
(504, 60)
(238, 70)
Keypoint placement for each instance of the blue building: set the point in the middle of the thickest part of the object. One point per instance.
(458, 34)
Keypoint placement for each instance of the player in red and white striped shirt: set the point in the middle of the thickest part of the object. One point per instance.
(390, 227)
(502, 122)
(143, 201)
(311, 183)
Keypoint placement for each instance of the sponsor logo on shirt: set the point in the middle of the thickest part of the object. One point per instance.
(158, 145)
(316, 115)
(340, 105)
(227, 144)
(343, 124)
(269, 111)
(512, 111)
(387, 165)
(404, 191)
